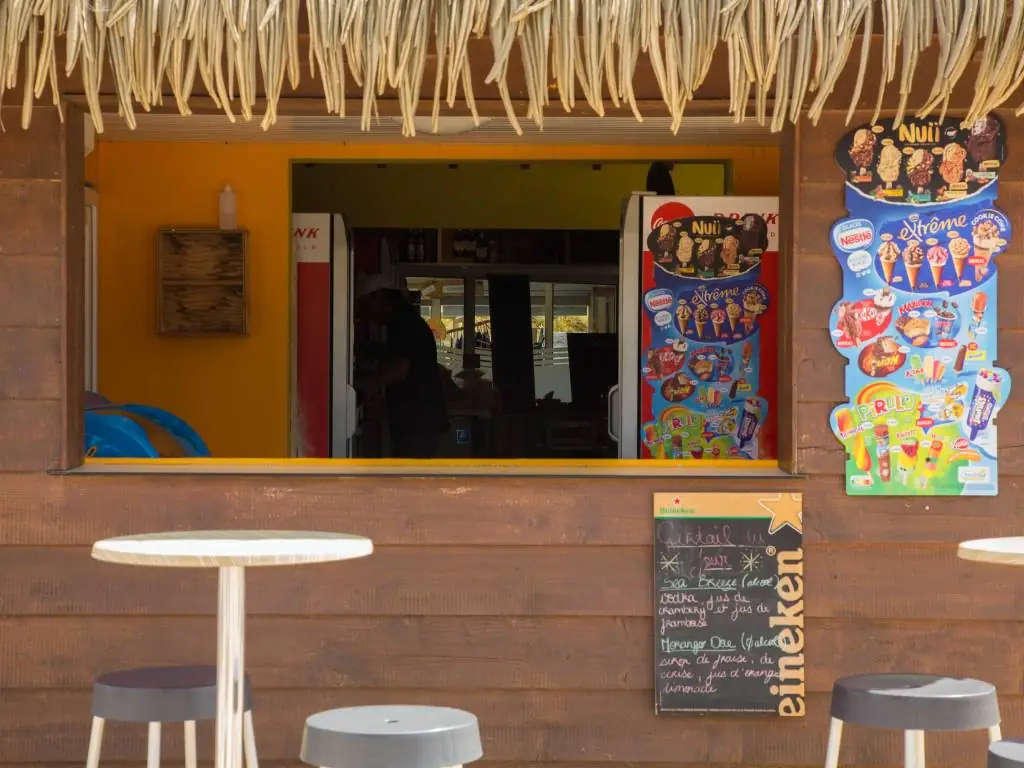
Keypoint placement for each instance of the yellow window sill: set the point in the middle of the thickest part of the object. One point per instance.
(438, 467)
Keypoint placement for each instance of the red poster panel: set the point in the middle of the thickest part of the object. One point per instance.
(311, 233)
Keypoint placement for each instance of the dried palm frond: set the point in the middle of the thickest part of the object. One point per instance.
(780, 53)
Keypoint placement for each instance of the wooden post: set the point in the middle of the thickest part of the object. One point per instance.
(42, 299)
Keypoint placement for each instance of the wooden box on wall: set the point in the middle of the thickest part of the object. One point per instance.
(202, 282)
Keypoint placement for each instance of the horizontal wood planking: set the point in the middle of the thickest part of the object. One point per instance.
(31, 154)
(31, 292)
(30, 212)
(80, 509)
(530, 726)
(467, 653)
(30, 363)
(30, 437)
(843, 582)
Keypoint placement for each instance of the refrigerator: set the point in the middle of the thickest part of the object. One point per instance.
(697, 328)
(323, 400)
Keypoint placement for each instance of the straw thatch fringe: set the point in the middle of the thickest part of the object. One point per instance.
(794, 50)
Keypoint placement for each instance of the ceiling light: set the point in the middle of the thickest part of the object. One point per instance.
(449, 125)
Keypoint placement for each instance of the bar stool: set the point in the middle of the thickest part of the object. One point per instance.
(913, 704)
(158, 695)
(391, 737)
(1006, 754)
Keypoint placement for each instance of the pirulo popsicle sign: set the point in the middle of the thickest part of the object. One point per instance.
(917, 321)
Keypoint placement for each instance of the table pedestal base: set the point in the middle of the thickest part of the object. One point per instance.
(230, 667)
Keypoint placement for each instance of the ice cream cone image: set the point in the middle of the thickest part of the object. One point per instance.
(888, 255)
(912, 270)
(958, 265)
(888, 267)
(700, 320)
(717, 320)
(733, 311)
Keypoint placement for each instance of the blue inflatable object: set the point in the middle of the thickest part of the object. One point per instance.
(133, 431)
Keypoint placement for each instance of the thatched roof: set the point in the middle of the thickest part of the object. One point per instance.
(793, 50)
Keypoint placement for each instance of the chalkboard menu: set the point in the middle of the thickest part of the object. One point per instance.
(729, 603)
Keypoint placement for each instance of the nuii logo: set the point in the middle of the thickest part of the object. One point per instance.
(658, 299)
(853, 235)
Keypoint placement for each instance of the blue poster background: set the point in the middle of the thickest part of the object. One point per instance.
(917, 322)
(702, 365)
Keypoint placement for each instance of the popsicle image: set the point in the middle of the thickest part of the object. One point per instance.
(862, 150)
(858, 451)
(931, 463)
(983, 401)
(889, 165)
(906, 460)
(882, 452)
(978, 305)
(748, 350)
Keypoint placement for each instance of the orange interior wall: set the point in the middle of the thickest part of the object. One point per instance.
(234, 391)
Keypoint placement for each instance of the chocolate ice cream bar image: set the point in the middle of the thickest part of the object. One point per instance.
(753, 235)
(983, 141)
(919, 168)
(862, 150)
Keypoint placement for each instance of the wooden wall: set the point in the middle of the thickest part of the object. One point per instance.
(525, 601)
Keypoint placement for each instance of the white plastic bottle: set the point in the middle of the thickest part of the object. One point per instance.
(228, 209)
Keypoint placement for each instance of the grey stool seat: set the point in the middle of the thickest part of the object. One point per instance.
(159, 694)
(156, 695)
(391, 737)
(1006, 754)
(913, 704)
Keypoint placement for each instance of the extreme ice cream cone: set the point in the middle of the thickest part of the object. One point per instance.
(887, 270)
(958, 265)
(912, 270)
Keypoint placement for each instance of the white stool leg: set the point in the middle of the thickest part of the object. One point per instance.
(919, 748)
(994, 734)
(835, 736)
(249, 741)
(909, 749)
(153, 749)
(190, 744)
(95, 743)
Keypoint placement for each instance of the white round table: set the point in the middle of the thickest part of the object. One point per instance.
(1007, 551)
(231, 552)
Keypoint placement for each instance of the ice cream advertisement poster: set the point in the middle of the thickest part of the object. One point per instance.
(917, 322)
(702, 306)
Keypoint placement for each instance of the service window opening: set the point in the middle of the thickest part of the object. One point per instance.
(472, 310)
